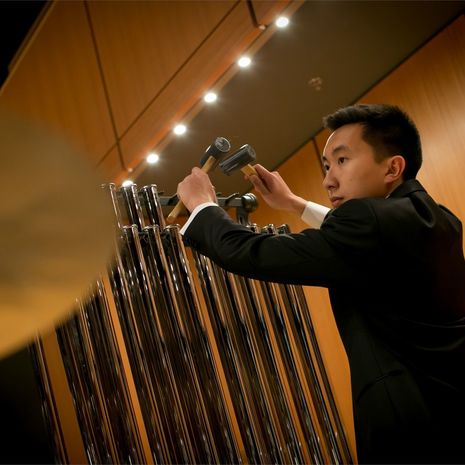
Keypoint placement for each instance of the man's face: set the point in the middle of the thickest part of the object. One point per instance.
(351, 169)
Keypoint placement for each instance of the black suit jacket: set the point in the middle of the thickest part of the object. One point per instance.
(396, 276)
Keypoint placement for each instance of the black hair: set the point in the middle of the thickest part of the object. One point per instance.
(387, 128)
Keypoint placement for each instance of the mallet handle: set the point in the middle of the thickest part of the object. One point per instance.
(249, 170)
(207, 167)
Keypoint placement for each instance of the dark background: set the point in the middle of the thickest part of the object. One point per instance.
(16, 18)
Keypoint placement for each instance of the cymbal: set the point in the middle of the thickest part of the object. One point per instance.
(56, 230)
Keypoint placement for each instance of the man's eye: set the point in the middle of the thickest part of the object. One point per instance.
(326, 167)
(341, 160)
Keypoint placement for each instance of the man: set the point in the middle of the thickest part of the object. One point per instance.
(393, 263)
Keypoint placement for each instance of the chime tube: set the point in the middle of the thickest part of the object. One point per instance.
(236, 356)
(262, 394)
(269, 361)
(209, 431)
(205, 386)
(329, 419)
(151, 205)
(143, 337)
(294, 392)
(93, 368)
(112, 194)
(293, 376)
(176, 347)
(132, 206)
(48, 404)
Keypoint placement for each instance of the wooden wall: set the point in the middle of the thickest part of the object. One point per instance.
(430, 86)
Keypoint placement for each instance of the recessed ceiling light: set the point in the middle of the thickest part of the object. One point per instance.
(243, 62)
(282, 21)
(152, 158)
(210, 97)
(179, 129)
(127, 183)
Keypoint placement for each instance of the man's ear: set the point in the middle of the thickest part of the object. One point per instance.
(396, 168)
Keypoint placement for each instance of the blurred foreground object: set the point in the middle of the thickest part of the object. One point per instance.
(56, 231)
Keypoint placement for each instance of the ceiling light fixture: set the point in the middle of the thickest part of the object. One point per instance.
(152, 158)
(179, 129)
(282, 22)
(244, 61)
(210, 97)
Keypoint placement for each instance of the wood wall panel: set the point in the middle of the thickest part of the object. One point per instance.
(302, 172)
(57, 83)
(143, 44)
(430, 86)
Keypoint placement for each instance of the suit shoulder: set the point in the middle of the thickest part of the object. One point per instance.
(352, 226)
(355, 213)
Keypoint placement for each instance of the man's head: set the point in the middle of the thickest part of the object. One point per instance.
(372, 149)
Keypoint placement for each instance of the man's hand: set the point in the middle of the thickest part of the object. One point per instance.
(275, 191)
(196, 189)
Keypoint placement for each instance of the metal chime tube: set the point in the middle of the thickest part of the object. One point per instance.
(151, 205)
(303, 330)
(158, 375)
(205, 388)
(290, 431)
(191, 379)
(291, 348)
(182, 406)
(49, 409)
(266, 295)
(144, 342)
(100, 391)
(144, 339)
(209, 436)
(247, 374)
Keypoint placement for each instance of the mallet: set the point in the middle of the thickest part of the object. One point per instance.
(240, 160)
(210, 159)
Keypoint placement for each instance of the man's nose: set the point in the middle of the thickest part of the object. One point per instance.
(329, 182)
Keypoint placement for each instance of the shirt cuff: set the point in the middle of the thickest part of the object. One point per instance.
(196, 210)
(314, 214)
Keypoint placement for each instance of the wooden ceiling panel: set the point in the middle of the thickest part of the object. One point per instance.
(143, 45)
(180, 99)
(267, 12)
(110, 166)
